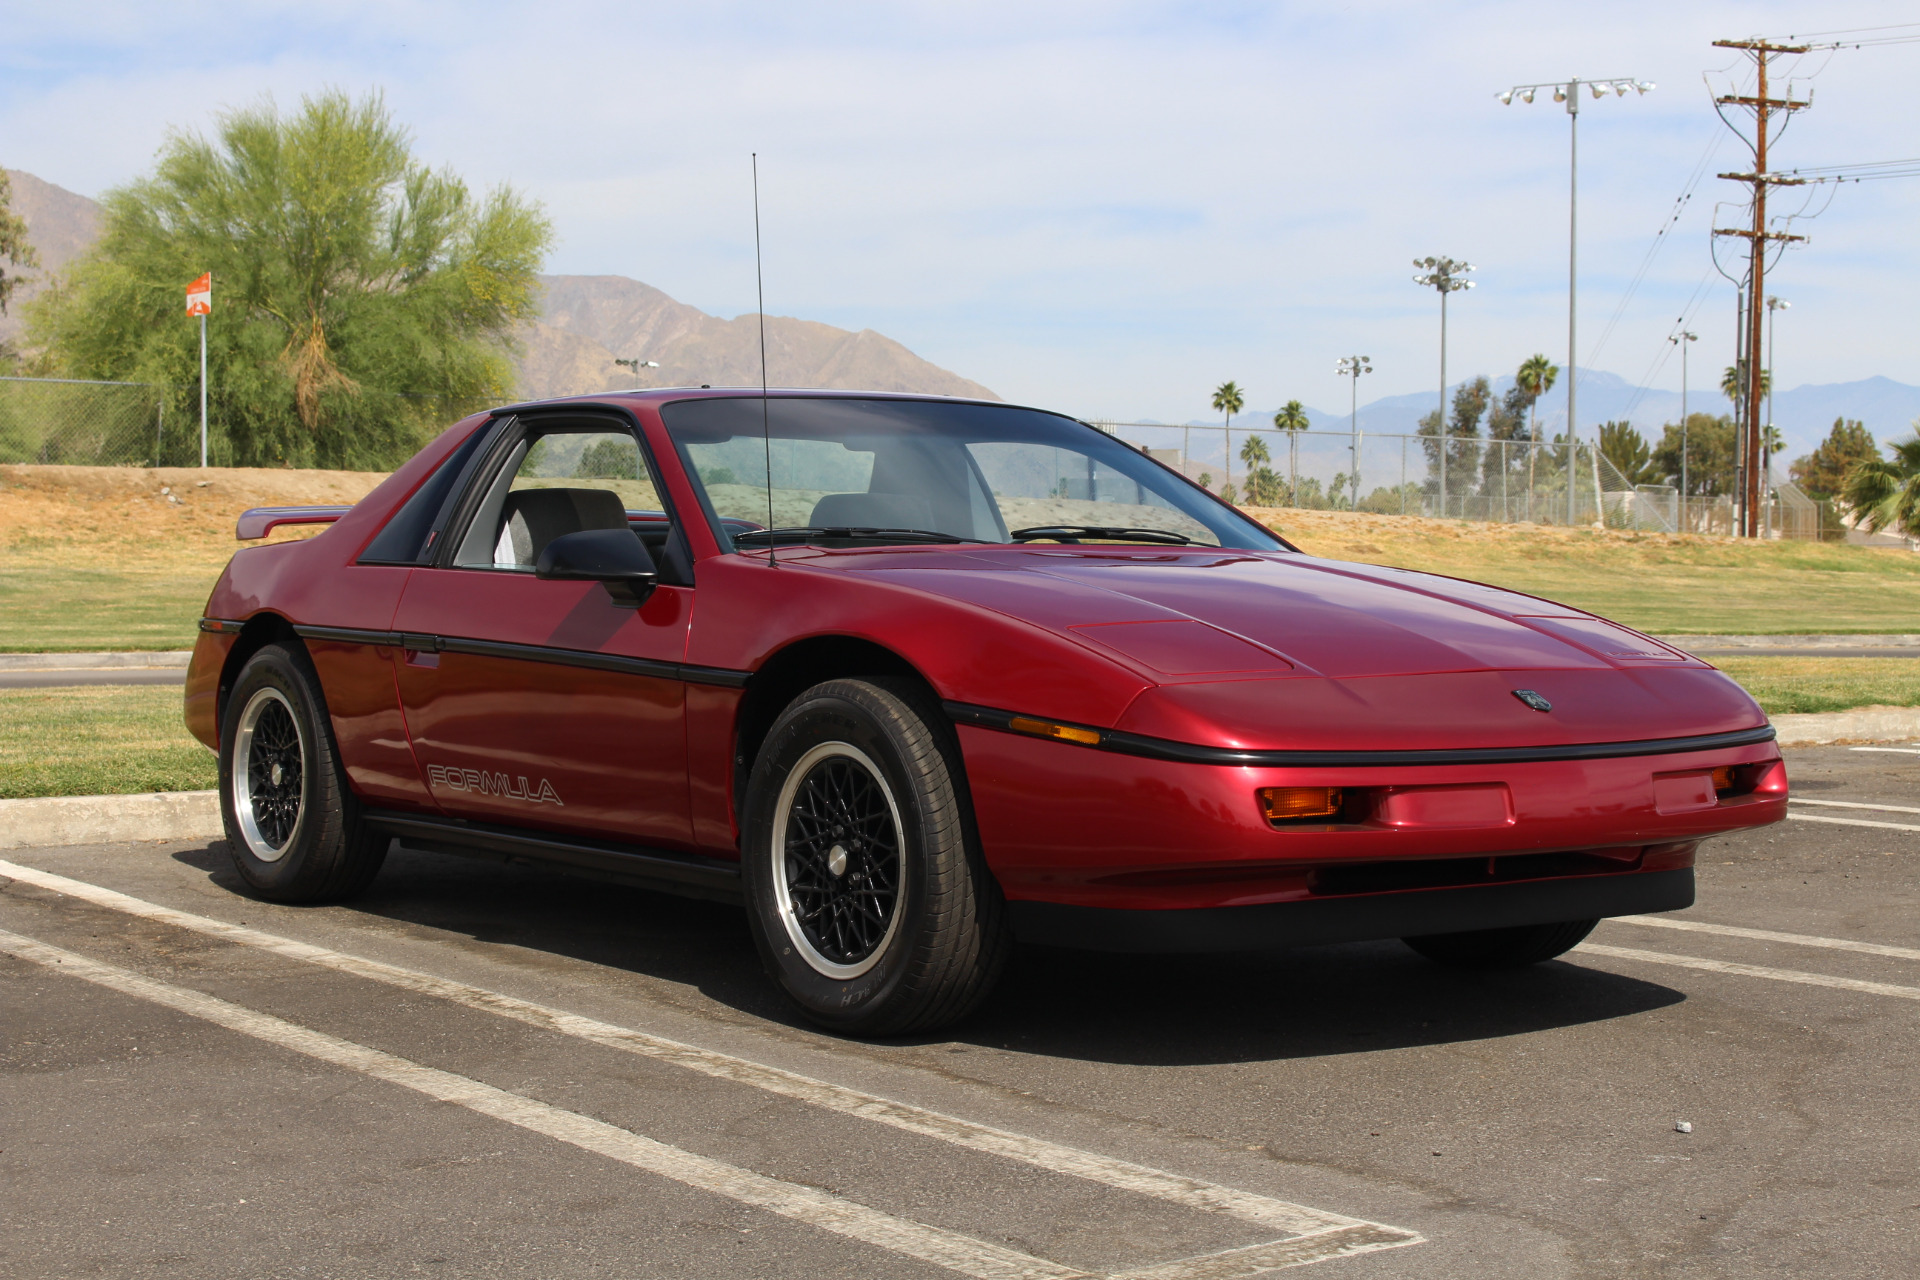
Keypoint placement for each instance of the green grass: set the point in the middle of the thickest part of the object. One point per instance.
(98, 740)
(1658, 584)
(1792, 685)
(48, 608)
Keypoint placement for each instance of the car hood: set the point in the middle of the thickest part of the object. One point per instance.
(1180, 616)
(1276, 650)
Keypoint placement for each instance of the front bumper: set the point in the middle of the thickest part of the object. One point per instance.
(1359, 918)
(1071, 826)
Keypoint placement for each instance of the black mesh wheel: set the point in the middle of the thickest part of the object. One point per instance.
(837, 836)
(870, 903)
(293, 825)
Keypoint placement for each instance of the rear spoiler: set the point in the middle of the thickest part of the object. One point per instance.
(258, 522)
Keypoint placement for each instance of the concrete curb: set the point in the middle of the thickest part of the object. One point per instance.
(1862, 724)
(159, 815)
(1763, 643)
(168, 658)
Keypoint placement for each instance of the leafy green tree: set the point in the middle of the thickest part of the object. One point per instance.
(1265, 488)
(359, 298)
(1229, 495)
(1628, 451)
(15, 252)
(1470, 402)
(1710, 454)
(609, 459)
(1823, 473)
(1886, 494)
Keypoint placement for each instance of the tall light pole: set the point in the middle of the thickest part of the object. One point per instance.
(1681, 340)
(1569, 92)
(1766, 437)
(1445, 276)
(1353, 367)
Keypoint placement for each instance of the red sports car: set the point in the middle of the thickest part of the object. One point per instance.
(913, 678)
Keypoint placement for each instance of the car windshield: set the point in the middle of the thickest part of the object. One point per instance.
(857, 470)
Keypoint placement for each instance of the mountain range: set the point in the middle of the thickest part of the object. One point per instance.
(585, 323)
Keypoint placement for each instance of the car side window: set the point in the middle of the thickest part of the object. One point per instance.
(555, 482)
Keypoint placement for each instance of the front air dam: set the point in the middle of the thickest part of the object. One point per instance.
(1358, 918)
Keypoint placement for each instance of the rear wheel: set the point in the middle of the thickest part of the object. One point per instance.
(1502, 948)
(870, 904)
(293, 827)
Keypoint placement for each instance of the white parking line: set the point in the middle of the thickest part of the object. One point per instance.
(1854, 804)
(817, 1208)
(1337, 1234)
(1751, 970)
(1905, 751)
(1851, 822)
(1768, 935)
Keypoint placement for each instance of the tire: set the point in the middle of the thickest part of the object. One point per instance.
(1502, 948)
(887, 920)
(294, 829)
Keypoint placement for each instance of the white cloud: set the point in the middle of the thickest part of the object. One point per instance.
(1104, 208)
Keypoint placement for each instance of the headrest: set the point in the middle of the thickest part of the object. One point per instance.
(871, 511)
(541, 515)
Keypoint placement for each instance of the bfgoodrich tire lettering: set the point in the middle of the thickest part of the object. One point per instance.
(1502, 948)
(870, 903)
(293, 827)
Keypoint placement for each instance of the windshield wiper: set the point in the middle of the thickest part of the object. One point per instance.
(1075, 532)
(809, 533)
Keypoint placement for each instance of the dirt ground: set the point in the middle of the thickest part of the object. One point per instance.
(177, 515)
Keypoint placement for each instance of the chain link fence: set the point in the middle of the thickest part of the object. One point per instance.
(136, 424)
(1460, 477)
(100, 424)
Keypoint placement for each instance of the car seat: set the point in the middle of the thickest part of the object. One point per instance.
(532, 518)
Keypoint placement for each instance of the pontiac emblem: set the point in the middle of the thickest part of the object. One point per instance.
(1533, 699)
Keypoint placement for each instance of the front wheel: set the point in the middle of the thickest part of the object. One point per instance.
(870, 903)
(293, 828)
(1502, 948)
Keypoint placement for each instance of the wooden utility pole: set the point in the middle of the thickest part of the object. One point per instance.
(1757, 237)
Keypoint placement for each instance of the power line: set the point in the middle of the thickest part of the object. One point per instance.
(1659, 241)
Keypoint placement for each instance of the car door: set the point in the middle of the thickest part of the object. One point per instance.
(549, 704)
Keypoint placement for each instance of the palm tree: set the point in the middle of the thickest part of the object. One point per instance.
(1254, 451)
(1292, 418)
(1229, 399)
(1536, 379)
(1733, 383)
(1883, 493)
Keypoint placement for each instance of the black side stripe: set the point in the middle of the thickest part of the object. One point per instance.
(1134, 744)
(686, 672)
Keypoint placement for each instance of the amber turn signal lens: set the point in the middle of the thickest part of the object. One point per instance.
(1723, 778)
(1285, 803)
(1048, 729)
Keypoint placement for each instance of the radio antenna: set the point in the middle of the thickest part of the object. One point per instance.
(766, 429)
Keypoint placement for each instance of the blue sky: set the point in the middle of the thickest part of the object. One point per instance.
(1104, 208)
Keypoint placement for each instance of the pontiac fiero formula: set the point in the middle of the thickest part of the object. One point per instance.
(914, 677)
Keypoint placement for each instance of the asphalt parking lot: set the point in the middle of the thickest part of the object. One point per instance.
(481, 1070)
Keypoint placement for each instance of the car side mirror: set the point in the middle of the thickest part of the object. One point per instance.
(615, 558)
